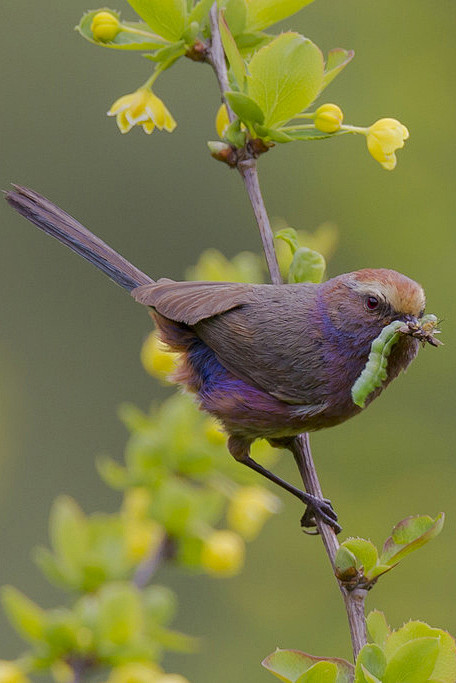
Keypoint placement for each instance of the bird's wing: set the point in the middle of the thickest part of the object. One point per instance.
(191, 302)
(259, 333)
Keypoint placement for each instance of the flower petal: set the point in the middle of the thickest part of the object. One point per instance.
(148, 127)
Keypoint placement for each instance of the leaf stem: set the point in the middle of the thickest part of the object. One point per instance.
(300, 446)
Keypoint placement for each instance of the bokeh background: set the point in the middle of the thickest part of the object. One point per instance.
(70, 340)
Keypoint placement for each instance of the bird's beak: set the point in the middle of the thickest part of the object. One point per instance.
(410, 319)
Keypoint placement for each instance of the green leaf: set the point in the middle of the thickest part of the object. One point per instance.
(68, 531)
(113, 474)
(26, 616)
(234, 134)
(371, 659)
(321, 672)
(200, 12)
(174, 640)
(337, 60)
(248, 43)
(409, 535)
(264, 13)
(307, 266)
(378, 628)
(271, 134)
(290, 665)
(366, 676)
(445, 665)
(166, 56)
(290, 236)
(365, 552)
(378, 570)
(168, 19)
(236, 14)
(160, 604)
(61, 631)
(285, 77)
(234, 56)
(175, 505)
(133, 35)
(121, 614)
(414, 662)
(52, 569)
(244, 107)
(345, 564)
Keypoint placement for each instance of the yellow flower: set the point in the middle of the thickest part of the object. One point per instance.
(135, 672)
(105, 26)
(142, 107)
(249, 509)
(223, 553)
(328, 118)
(384, 137)
(213, 432)
(11, 673)
(222, 121)
(156, 359)
(142, 538)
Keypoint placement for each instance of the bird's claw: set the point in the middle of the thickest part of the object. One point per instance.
(321, 508)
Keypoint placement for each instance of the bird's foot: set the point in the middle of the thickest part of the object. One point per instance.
(319, 508)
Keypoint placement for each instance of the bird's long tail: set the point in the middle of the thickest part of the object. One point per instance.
(52, 220)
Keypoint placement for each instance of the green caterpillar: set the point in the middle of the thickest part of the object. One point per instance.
(375, 370)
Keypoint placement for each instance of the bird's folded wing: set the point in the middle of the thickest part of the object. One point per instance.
(253, 338)
(191, 302)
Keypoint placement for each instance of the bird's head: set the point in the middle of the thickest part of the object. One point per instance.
(363, 302)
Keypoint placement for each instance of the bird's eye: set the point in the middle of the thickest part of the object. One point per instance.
(372, 303)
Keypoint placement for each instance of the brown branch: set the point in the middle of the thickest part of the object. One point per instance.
(248, 170)
(247, 166)
(145, 571)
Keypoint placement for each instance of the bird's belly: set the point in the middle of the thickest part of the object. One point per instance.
(246, 410)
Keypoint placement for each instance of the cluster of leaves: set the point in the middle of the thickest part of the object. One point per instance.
(277, 84)
(358, 561)
(171, 29)
(415, 653)
(273, 79)
(184, 500)
(117, 624)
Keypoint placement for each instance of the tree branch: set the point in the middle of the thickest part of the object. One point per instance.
(247, 166)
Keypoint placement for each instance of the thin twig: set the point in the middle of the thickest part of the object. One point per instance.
(248, 170)
(150, 564)
(247, 165)
(216, 57)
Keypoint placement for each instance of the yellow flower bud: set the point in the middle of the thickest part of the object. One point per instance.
(384, 137)
(249, 509)
(222, 121)
(157, 360)
(328, 118)
(105, 26)
(135, 672)
(142, 538)
(213, 432)
(223, 553)
(11, 673)
(62, 672)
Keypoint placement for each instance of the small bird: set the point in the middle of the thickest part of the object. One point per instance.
(268, 361)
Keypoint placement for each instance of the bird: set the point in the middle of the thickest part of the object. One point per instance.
(267, 361)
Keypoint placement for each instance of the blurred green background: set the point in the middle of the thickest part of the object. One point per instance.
(70, 340)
